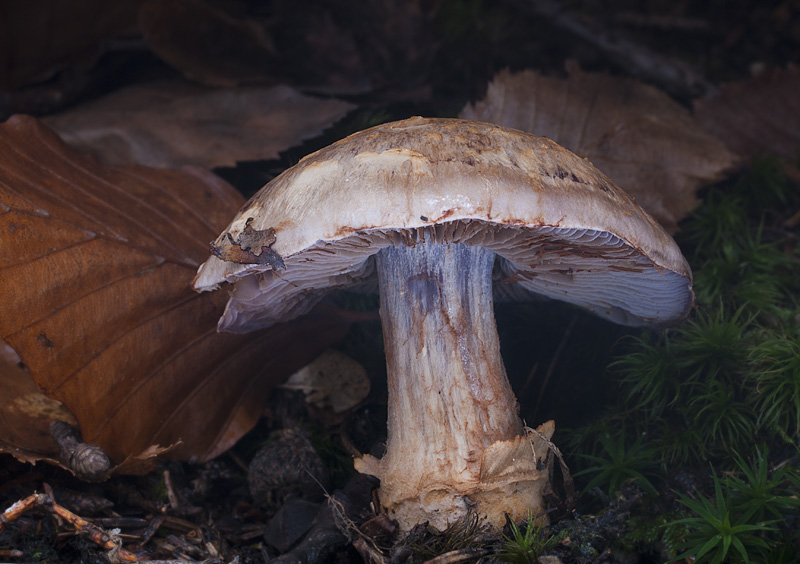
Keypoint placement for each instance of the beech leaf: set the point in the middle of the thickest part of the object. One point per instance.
(44, 37)
(332, 381)
(95, 271)
(25, 416)
(646, 142)
(207, 44)
(759, 115)
(175, 123)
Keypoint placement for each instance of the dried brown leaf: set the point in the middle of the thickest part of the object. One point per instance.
(176, 123)
(40, 38)
(382, 46)
(95, 267)
(633, 132)
(206, 43)
(25, 415)
(756, 116)
(332, 381)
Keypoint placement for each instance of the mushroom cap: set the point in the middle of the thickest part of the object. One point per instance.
(560, 227)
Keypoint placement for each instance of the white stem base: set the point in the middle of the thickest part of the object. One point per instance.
(455, 441)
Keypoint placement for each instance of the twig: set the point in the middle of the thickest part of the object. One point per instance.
(17, 509)
(173, 499)
(118, 522)
(663, 23)
(238, 461)
(460, 555)
(569, 485)
(368, 551)
(350, 530)
(109, 541)
(674, 76)
(151, 529)
(182, 525)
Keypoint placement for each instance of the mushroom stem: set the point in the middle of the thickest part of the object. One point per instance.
(450, 403)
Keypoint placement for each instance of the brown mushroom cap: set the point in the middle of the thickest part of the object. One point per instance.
(559, 226)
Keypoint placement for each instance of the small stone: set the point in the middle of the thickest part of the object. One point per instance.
(290, 523)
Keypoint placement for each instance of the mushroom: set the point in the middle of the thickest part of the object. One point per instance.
(440, 211)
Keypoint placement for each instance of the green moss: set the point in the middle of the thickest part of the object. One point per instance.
(719, 531)
(730, 374)
(654, 534)
(775, 382)
(747, 519)
(621, 461)
(526, 542)
(721, 383)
